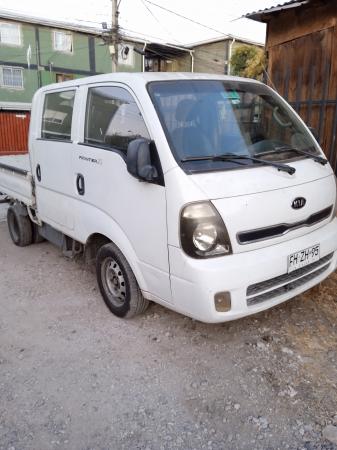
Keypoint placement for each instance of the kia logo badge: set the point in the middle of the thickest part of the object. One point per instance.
(298, 203)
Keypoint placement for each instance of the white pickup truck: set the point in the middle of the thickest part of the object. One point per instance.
(207, 194)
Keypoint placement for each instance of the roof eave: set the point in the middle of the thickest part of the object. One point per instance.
(265, 15)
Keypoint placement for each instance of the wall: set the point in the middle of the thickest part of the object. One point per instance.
(302, 54)
(289, 25)
(16, 56)
(182, 63)
(89, 57)
(209, 58)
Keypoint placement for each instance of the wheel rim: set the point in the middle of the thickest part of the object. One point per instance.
(113, 282)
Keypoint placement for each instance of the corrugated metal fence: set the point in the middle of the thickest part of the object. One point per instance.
(14, 126)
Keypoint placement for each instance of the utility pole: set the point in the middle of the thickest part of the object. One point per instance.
(114, 35)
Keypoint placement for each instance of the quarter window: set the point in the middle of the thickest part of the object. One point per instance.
(57, 115)
(11, 77)
(10, 33)
(63, 42)
(113, 119)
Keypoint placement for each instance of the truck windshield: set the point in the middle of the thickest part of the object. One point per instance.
(209, 118)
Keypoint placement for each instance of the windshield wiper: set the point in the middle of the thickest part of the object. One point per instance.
(285, 148)
(236, 158)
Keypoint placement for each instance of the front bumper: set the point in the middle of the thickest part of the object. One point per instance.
(195, 282)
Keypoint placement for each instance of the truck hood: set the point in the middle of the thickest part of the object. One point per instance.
(261, 198)
(234, 183)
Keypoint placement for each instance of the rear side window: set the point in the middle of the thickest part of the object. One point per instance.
(113, 118)
(57, 115)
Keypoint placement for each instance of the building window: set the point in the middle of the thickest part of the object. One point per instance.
(113, 118)
(11, 77)
(60, 77)
(63, 42)
(10, 33)
(57, 115)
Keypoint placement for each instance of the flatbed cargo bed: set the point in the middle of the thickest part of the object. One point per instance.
(16, 178)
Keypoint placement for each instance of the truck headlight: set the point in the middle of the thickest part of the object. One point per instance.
(205, 236)
(203, 233)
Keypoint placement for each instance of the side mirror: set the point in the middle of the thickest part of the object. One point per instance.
(138, 161)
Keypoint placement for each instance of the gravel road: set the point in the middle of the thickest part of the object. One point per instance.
(72, 376)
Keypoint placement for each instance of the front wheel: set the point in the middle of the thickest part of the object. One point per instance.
(117, 283)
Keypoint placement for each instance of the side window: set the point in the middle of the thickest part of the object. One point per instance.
(113, 118)
(57, 115)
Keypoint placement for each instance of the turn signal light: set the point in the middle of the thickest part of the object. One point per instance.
(222, 301)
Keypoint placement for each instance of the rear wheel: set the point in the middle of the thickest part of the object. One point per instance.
(117, 283)
(20, 227)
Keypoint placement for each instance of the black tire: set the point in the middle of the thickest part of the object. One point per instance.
(20, 227)
(117, 283)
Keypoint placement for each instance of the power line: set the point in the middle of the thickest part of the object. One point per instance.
(186, 18)
(158, 21)
(141, 34)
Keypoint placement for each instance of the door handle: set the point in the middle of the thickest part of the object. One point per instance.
(38, 172)
(80, 185)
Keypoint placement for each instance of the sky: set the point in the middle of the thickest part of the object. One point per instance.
(144, 20)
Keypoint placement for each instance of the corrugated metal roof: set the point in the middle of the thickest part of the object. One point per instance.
(260, 15)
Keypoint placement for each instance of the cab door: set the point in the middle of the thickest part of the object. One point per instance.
(108, 199)
(51, 158)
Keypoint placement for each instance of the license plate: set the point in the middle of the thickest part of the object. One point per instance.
(303, 258)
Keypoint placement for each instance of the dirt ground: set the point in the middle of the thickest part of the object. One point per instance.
(72, 376)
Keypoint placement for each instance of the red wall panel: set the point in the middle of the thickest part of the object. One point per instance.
(14, 128)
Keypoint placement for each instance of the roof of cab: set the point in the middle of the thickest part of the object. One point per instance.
(137, 79)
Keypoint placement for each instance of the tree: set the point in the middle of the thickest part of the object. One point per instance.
(248, 61)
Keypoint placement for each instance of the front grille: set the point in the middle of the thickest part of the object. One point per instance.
(287, 277)
(287, 282)
(248, 237)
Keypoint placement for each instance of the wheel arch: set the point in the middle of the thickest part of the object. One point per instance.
(96, 240)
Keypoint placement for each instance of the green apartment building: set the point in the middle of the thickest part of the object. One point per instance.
(35, 52)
